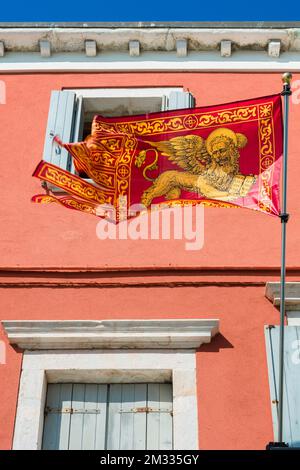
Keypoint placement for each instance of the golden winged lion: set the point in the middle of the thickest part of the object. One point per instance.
(211, 167)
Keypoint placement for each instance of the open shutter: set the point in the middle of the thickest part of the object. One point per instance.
(65, 119)
(61, 123)
(78, 126)
(291, 401)
(178, 100)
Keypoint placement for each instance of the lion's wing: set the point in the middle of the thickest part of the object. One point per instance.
(187, 152)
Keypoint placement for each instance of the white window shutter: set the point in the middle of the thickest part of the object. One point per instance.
(178, 100)
(75, 417)
(108, 416)
(57, 422)
(78, 127)
(291, 395)
(61, 123)
(160, 421)
(127, 419)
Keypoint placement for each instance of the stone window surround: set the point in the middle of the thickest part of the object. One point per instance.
(93, 351)
(292, 300)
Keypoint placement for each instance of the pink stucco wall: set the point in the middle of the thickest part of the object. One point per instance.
(233, 395)
(49, 236)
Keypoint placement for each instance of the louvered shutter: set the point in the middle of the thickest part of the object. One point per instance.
(178, 100)
(291, 402)
(65, 119)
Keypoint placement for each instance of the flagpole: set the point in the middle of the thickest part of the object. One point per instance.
(284, 216)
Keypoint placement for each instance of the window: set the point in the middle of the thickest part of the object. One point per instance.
(108, 416)
(71, 113)
(149, 352)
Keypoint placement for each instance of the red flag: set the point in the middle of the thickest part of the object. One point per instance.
(227, 155)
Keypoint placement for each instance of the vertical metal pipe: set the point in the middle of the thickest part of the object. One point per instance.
(286, 78)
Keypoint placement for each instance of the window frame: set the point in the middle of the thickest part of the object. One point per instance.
(106, 366)
(66, 116)
(108, 416)
(98, 351)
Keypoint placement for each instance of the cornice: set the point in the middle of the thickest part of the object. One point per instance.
(111, 334)
(292, 294)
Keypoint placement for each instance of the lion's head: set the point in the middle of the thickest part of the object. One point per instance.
(222, 145)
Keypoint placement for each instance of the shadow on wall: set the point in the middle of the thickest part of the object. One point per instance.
(217, 343)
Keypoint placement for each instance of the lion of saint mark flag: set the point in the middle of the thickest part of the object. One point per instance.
(227, 155)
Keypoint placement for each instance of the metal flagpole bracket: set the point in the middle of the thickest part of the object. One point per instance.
(284, 218)
(277, 446)
(45, 186)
